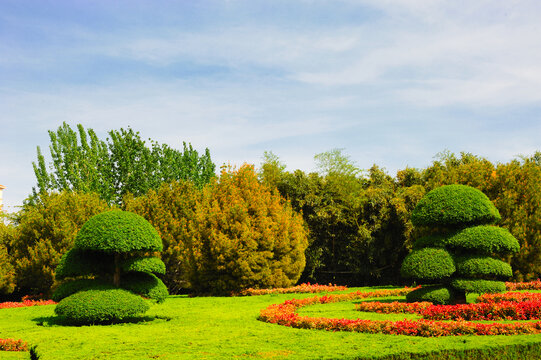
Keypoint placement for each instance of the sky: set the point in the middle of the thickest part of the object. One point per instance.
(391, 82)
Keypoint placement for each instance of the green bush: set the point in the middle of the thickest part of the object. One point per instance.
(146, 285)
(435, 294)
(454, 205)
(474, 266)
(433, 241)
(118, 231)
(77, 262)
(149, 264)
(428, 264)
(484, 239)
(71, 287)
(99, 306)
(478, 286)
(7, 272)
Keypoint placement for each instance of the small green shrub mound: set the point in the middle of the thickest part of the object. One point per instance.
(479, 266)
(146, 285)
(454, 205)
(117, 232)
(478, 286)
(77, 262)
(484, 239)
(428, 264)
(71, 287)
(148, 264)
(435, 294)
(99, 306)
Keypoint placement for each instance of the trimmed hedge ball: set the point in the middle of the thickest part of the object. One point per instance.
(485, 239)
(118, 231)
(454, 205)
(99, 306)
(428, 264)
(435, 294)
(71, 287)
(146, 285)
(478, 286)
(78, 262)
(479, 266)
(149, 264)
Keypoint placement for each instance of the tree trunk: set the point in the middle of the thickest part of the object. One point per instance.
(116, 276)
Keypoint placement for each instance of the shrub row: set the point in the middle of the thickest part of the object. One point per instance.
(527, 285)
(13, 345)
(505, 310)
(510, 296)
(25, 303)
(393, 307)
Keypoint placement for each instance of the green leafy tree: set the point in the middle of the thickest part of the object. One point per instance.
(122, 164)
(7, 272)
(459, 253)
(115, 249)
(245, 236)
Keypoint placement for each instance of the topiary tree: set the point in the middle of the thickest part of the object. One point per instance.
(111, 261)
(459, 256)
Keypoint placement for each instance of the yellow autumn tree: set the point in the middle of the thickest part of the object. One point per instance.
(245, 235)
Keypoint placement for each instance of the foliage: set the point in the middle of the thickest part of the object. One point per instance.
(246, 236)
(122, 164)
(482, 266)
(528, 285)
(148, 264)
(454, 205)
(13, 345)
(7, 272)
(68, 288)
(171, 211)
(118, 231)
(99, 306)
(43, 232)
(434, 294)
(121, 237)
(428, 264)
(146, 285)
(483, 239)
(478, 286)
(25, 303)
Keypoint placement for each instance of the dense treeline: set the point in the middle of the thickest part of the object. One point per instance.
(359, 223)
(267, 228)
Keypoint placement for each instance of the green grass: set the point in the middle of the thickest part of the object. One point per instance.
(221, 328)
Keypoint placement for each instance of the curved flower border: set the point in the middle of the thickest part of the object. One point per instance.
(13, 345)
(285, 314)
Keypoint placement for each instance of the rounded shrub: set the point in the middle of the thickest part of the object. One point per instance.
(433, 241)
(454, 205)
(479, 266)
(146, 285)
(434, 294)
(71, 287)
(428, 264)
(478, 286)
(149, 264)
(77, 262)
(118, 231)
(484, 239)
(99, 306)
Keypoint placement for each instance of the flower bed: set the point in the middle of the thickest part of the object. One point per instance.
(285, 314)
(13, 345)
(529, 285)
(510, 296)
(302, 288)
(25, 303)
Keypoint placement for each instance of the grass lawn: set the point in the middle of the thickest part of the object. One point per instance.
(221, 328)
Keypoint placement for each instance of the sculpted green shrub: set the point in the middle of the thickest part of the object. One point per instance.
(118, 242)
(461, 216)
(435, 294)
(99, 306)
(245, 236)
(43, 232)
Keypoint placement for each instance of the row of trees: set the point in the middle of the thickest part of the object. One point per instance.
(226, 232)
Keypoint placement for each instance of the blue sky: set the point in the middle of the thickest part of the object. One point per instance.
(391, 82)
